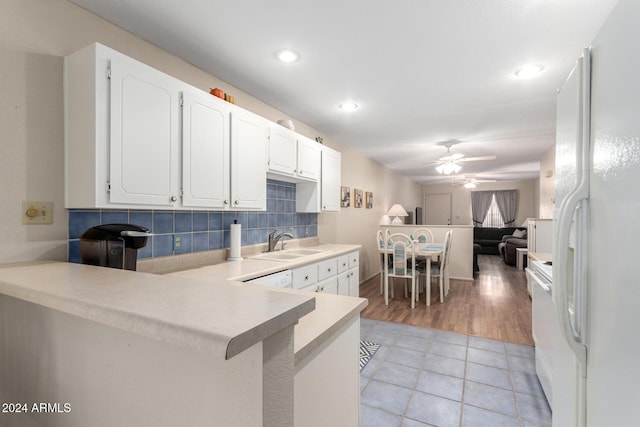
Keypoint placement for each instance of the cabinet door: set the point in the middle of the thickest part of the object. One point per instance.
(144, 135)
(248, 161)
(329, 286)
(282, 150)
(330, 180)
(343, 284)
(308, 158)
(354, 282)
(205, 151)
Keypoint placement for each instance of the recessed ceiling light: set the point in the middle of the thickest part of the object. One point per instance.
(529, 70)
(348, 106)
(288, 56)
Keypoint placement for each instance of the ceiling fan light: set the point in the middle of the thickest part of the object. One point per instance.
(470, 185)
(448, 168)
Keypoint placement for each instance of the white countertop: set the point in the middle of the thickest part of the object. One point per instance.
(222, 320)
(249, 268)
(331, 313)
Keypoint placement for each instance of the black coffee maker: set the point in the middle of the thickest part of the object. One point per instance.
(113, 245)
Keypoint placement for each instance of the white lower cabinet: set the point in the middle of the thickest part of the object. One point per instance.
(337, 275)
(329, 286)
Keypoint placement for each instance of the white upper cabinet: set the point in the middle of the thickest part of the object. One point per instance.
(144, 133)
(330, 180)
(292, 155)
(308, 158)
(205, 151)
(283, 153)
(249, 140)
(121, 132)
(125, 147)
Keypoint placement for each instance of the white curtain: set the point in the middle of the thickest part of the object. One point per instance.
(507, 201)
(480, 201)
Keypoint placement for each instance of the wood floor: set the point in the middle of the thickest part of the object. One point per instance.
(496, 305)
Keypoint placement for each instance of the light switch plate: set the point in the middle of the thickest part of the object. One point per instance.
(37, 212)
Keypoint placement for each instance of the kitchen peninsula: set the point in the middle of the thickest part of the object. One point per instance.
(130, 348)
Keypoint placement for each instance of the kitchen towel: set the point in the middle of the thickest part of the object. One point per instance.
(235, 241)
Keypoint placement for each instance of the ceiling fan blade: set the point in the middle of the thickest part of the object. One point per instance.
(477, 159)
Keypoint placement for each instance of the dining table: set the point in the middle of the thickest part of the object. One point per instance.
(424, 251)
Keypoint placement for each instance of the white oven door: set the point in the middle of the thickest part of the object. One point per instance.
(543, 312)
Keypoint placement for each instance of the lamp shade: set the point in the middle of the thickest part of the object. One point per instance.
(397, 211)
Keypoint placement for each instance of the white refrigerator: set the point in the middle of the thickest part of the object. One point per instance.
(596, 248)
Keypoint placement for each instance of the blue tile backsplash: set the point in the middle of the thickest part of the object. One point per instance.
(200, 230)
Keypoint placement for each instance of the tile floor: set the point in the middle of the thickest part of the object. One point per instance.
(424, 377)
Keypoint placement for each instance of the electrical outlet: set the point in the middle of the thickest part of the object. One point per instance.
(37, 212)
(177, 242)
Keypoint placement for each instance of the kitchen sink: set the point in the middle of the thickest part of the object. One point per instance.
(287, 255)
(303, 251)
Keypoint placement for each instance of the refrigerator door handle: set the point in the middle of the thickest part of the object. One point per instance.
(574, 327)
(573, 332)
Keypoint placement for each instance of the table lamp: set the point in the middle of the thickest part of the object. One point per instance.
(397, 211)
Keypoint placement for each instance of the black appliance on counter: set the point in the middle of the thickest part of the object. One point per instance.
(113, 245)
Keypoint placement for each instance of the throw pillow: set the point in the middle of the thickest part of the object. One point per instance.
(519, 234)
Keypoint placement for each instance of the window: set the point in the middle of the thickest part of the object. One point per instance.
(493, 218)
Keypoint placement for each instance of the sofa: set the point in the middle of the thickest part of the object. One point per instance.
(509, 245)
(490, 237)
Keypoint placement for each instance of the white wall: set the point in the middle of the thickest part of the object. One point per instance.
(35, 35)
(461, 198)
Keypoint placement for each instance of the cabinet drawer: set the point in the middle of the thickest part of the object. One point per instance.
(304, 276)
(327, 268)
(354, 259)
(343, 263)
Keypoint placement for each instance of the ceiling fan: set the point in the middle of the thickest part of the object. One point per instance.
(450, 163)
(469, 181)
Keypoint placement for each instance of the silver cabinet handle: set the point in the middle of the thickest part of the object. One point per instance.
(226, 202)
(236, 202)
(174, 199)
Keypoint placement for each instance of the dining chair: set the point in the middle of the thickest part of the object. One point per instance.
(422, 235)
(440, 269)
(380, 240)
(402, 248)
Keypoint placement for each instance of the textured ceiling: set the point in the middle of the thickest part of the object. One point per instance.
(422, 71)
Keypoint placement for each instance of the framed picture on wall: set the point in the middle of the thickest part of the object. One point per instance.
(357, 198)
(368, 199)
(345, 197)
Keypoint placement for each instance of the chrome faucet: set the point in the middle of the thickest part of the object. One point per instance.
(273, 240)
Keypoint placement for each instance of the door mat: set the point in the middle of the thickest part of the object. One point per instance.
(367, 350)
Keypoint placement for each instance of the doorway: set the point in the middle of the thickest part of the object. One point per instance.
(437, 209)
